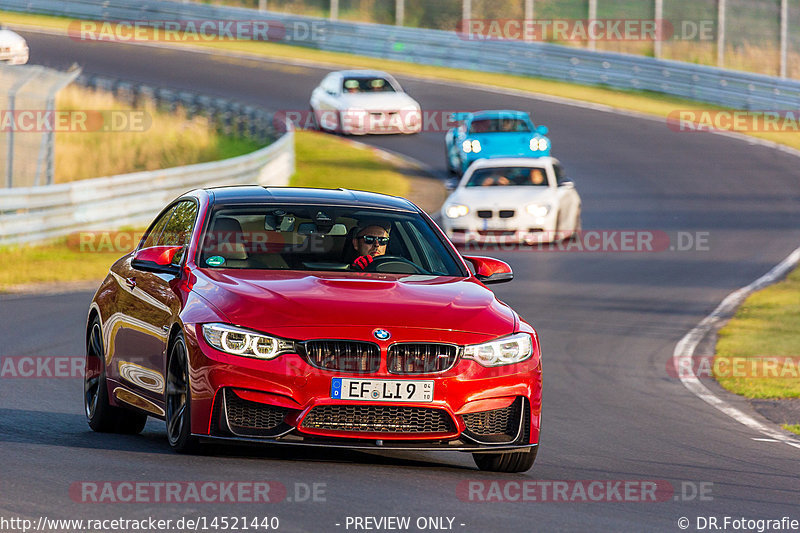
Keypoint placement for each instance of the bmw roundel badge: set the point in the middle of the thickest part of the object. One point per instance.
(381, 334)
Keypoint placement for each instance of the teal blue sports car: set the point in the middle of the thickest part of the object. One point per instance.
(489, 134)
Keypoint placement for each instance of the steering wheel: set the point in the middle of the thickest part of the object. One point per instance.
(394, 264)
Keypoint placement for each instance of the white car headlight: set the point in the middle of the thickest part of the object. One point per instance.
(240, 341)
(476, 146)
(538, 210)
(466, 146)
(505, 351)
(456, 210)
(538, 144)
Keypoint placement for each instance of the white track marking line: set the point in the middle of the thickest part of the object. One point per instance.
(687, 345)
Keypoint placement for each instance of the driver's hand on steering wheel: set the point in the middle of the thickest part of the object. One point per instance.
(362, 262)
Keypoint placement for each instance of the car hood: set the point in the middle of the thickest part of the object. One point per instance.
(501, 196)
(377, 101)
(279, 302)
(12, 39)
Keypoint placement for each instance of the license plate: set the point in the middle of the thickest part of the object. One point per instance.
(382, 390)
(502, 224)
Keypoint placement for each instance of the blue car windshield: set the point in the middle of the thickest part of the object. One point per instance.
(499, 125)
(508, 176)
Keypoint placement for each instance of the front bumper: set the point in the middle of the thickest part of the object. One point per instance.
(381, 122)
(288, 401)
(518, 229)
(14, 57)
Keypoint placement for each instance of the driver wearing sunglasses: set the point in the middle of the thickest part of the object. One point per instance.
(370, 242)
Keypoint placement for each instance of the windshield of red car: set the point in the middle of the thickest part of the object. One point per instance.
(323, 238)
(499, 125)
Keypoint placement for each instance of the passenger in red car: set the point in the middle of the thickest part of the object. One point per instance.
(370, 242)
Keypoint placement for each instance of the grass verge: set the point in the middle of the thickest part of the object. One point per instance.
(764, 326)
(322, 161)
(794, 428)
(327, 162)
(639, 101)
(144, 139)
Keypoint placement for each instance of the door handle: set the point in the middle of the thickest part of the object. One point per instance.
(130, 282)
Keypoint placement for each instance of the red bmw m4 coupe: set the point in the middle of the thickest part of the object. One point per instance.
(312, 317)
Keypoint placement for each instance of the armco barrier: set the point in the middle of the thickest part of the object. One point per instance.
(435, 47)
(39, 213)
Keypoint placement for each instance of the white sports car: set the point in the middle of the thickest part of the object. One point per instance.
(513, 200)
(13, 48)
(360, 102)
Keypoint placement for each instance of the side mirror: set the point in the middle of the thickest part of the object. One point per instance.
(567, 184)
(157, 259)
(490, 270)
(542, 130)
(451, 184)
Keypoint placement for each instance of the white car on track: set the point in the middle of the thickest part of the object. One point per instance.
(360, 102)
(13, 48)
(512, 200)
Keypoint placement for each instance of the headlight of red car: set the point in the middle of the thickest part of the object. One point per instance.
(244, 342)
(504, 351)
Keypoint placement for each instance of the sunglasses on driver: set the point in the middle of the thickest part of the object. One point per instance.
(370, 239)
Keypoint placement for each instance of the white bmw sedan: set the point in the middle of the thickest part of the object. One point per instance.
(360, 102)
(13, 48)
(513, 200)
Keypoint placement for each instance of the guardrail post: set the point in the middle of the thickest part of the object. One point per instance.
(528, 18)
(659, 16)
(262, 5)
(466, 13)
(784, 35)
(721, 33)
(399, 12)
(334, 15)
(592, 45)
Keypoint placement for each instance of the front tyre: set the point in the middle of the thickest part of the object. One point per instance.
(100, 414)
(508, 462)
(178, 399)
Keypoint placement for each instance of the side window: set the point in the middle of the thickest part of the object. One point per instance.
(560, 175)
(157, 229)
(178, 230)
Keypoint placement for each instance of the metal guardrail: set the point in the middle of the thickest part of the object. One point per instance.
(39, 213)
(723, 87)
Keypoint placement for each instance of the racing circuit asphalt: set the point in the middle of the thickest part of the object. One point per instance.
(608, 324)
